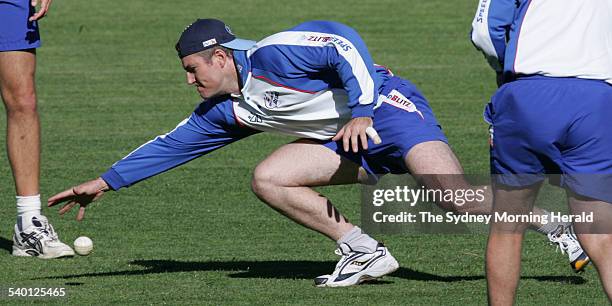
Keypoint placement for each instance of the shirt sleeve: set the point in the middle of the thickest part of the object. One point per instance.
(324, 50)
(210, 127)
(355, 67)
(490, 29)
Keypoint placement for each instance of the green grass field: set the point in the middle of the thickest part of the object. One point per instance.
(109, 80)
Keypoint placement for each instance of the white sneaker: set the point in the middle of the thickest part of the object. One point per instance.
(39, 240)
(357, 267)
(565, 239)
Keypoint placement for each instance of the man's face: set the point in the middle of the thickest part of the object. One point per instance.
(206, 75)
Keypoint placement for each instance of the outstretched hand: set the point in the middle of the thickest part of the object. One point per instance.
(356, 130)
(82, 195)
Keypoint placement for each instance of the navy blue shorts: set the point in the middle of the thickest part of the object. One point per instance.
(544, 125)
(16, 32)
(403, 120)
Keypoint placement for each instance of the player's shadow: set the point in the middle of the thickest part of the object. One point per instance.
(297, 269)
(6, 244)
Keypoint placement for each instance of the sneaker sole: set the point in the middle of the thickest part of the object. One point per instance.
(388, 266)
(580, 264)
(21, 253)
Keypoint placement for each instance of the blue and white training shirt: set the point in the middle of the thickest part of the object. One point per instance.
(307, 82)
(555, 38)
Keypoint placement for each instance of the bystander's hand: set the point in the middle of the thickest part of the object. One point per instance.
(42, 11)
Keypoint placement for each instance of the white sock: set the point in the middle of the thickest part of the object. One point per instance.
(28, 206)
(359, 241)
(551, 226)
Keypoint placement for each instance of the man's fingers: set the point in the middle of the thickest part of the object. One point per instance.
(98, 195)
(373, 135)
(35, 16)
(81, 213)
(45, 7)
(67, 207)
(38, 15)
(42, 11)
(364, 140)
(63, 196)
(346, 138)
(353, 133)
(355, 141)
(339, 135)
(46, 4)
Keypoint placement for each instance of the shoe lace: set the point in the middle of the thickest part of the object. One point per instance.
(339, 252)
(33, 237)
(50, 231)
(45, 232)
(562, 239)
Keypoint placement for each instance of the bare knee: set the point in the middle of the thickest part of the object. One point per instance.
(20, 102)
(264, 181)
(432, 157)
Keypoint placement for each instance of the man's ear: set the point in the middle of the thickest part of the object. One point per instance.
(221, 57)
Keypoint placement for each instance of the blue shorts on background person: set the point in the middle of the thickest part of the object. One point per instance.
(555, 126)
(18, 33)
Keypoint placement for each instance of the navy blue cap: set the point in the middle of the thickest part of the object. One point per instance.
(206, 33)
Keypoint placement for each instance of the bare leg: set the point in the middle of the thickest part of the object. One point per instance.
(596, 237)
(433, 157)
(17, 86)
(23, 126)
(435, 165)
(283, 181)
(503, 256)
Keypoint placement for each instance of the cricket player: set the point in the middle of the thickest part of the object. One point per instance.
(551, 116)
(355, 121)
(19, 38)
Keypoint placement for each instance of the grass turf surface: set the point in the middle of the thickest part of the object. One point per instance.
(109, 80)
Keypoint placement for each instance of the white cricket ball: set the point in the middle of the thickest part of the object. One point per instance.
(83, 245)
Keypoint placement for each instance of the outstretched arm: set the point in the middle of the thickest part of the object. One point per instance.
(210, 127)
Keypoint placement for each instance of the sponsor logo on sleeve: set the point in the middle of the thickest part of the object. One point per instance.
(331, 39)
(481, 11)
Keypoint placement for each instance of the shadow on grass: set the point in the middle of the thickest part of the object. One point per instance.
(299, 269)
(6, 244)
